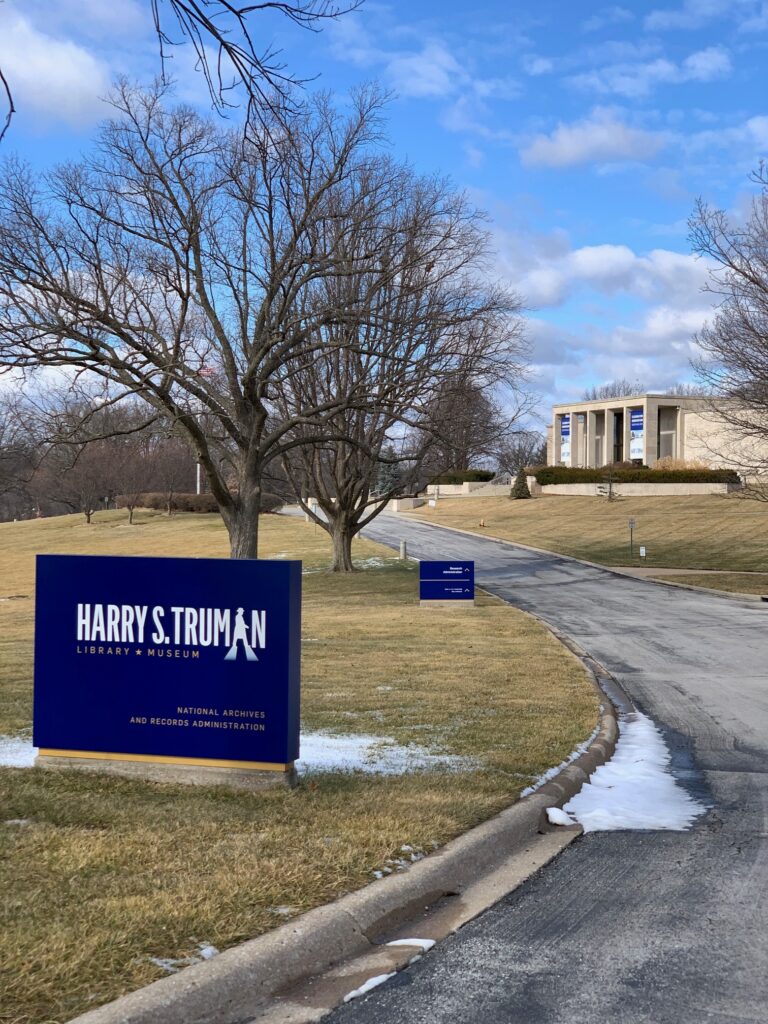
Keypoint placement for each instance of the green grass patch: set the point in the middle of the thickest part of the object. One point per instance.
(105, 873)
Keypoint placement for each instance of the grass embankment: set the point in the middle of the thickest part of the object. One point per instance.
(732, 582)
(105, 873)
(701, 532)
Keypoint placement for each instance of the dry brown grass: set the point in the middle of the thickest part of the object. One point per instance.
(109, 872)
(733, 582)
(691, 532)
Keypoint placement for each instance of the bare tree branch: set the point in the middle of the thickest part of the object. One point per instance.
(226, 52)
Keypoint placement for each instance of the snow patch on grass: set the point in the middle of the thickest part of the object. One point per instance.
(326, 752)
(320, 752)
(635, 789)
(16, 752)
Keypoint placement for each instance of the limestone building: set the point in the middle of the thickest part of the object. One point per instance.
(642, 429)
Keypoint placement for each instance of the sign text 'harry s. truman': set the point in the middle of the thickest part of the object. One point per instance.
(192, 627)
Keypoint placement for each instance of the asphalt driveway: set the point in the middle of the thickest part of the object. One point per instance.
(662, 927)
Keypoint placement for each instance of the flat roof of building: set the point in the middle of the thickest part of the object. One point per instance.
(630, 398)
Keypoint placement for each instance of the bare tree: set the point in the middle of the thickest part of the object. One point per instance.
(684, 389)
(427, 322)
(78, 477)
(18, 455)
(522, 448)
(734, 365)
(467, 423)
(620, 388)
(224, 41)
(185, 265)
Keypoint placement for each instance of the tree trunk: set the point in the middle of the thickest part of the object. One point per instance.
(342, 534)
(87, 515)
(243, 526)
(130, 515)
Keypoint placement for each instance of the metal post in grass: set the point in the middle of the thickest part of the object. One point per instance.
(403, 551)
(632, 525)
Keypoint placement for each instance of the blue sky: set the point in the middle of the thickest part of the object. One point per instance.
(586, 131)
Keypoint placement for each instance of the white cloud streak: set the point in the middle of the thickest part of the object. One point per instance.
(602, 137)
(637, 80)
(693, 14)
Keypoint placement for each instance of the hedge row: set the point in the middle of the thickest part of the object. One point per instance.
(464, 476)
(566, 475)
(182, 502)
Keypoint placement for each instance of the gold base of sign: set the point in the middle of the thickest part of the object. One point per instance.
(464, 605)
(172, 770)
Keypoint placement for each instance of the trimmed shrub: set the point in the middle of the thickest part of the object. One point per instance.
(520, 486)
(464, 476)
(636, 475)
(201, 503)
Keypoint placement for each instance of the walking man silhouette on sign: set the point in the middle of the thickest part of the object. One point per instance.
(240, 633)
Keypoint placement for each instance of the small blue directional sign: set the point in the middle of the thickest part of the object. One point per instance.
(447, 581)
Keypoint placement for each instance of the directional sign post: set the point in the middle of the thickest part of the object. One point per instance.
(632, 525)
(447, 581)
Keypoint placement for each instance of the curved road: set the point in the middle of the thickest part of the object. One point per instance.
(661, 927)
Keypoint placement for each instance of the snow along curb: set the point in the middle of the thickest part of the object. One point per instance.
(748, 600)
(241, 982)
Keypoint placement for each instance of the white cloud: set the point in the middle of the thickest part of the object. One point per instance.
(635, 80)
(433, 71)
(757, 23)
(547, 271)
(606, 17)
(538, 65)
(51, 77)
(707, 65)
(757, 132)
(599, 138)
(604, 311)
(693, 14)
(475, 157)
(744, 144)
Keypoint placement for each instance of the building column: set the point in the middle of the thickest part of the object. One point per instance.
(651, 428)
(589, 462)
(626, 421)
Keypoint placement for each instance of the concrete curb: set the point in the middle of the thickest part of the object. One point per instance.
(745, 599)
(240, 983)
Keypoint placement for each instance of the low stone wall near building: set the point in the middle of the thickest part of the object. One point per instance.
(468, 490)
(404, 504)
(630, 490)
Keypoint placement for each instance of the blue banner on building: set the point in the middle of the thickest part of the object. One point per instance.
(447, 581)
(180, 658)
(636, 434)
(565, 438)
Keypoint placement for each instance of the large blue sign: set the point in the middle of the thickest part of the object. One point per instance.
(168, 658)
(447, 581)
